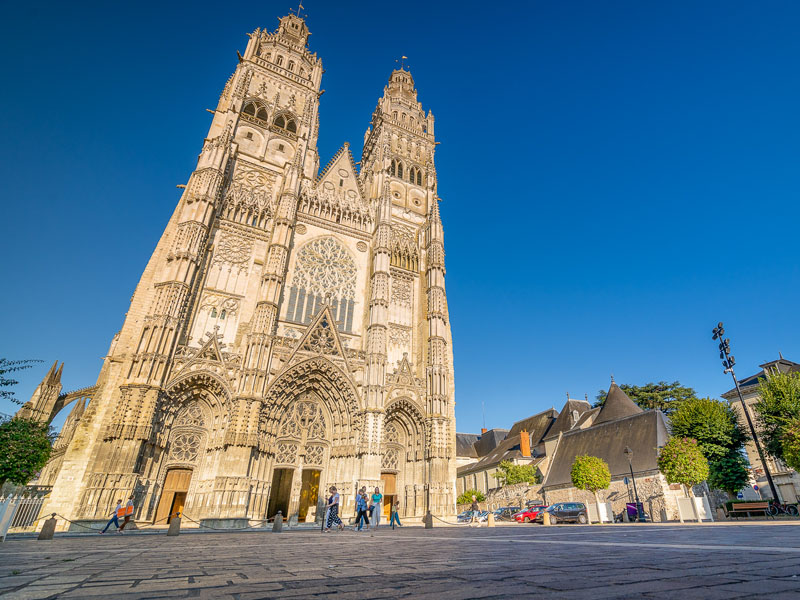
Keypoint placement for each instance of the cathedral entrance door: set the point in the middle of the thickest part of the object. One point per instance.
(173, 497)
(389, 481)
(280, 493)
(309, 494)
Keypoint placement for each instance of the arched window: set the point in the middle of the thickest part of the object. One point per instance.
(393, 168)
(291, 65)
(214, 313)
(222, 314)
(249, 109)
(279, 61)
(400, 170)
(302, 72)
(419, 177)
(394, 115)
(268, 56)
(412, 174)
(262, 114)
(285, 122)
(255, 109)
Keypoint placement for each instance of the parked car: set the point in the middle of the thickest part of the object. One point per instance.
(505, 513)
(466, 516)
(565, 512)
(529, 514)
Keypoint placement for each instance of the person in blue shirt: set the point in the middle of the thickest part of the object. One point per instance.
(361, 509)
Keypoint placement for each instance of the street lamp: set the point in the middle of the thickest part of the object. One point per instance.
(639, 508)
(728, 361)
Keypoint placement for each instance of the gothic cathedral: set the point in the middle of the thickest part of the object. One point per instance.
(290, 331)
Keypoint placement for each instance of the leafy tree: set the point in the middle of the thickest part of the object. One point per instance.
(728, 473)
(590, 473)
(510, 474)
(26, 446)
(664, 396)
(778, 408)
(682, 461)
(11, 366)
(716, 428)
(790, 443)
(466, 497)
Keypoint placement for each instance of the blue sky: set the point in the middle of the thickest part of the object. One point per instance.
(616, 176)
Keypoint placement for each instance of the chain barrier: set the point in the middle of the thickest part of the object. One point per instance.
(100, 529)
(448, 522)
(184, 516)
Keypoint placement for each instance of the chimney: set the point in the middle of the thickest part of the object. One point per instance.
(483, 430)
(525, 444)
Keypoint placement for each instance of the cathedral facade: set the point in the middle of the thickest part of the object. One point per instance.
(290, 331)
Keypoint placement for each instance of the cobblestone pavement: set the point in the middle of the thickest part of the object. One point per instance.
(621, 561)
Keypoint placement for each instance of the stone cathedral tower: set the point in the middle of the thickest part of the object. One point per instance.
(290, 331)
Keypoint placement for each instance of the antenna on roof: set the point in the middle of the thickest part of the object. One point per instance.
(483, 408)
(586, 397)
(780, 354)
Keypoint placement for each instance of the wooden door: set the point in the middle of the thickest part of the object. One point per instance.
(309, 494)
(176, 483)
(389, 481)
(280, 493)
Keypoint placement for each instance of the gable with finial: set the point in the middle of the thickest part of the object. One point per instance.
(340, 175)
(321, 338)
(403, 375)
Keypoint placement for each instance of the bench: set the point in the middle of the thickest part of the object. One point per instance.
(747, 508)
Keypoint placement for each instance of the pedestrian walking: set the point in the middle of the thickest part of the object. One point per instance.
(362, 516)
(476, 510)
(333, 510)
(119, 511)
(395, 510)
(375, 513)
(128, 513)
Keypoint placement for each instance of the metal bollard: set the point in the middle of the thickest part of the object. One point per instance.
(490, 520)
(277, 526)
(545, 518)
(48, 529)
(174, 525)
(428, 520)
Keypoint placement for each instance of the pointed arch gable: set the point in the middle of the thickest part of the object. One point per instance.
(335, 390)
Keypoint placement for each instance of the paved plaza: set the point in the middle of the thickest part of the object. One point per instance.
(620, 561)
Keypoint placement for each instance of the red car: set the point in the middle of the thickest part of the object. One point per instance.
(529, 514)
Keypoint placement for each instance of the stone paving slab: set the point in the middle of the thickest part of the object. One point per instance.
(632, 561)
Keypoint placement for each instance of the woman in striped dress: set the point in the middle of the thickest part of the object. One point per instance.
(333, 510)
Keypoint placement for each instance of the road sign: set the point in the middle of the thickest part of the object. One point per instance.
(755, 487)
(625, 479)
(739, 496)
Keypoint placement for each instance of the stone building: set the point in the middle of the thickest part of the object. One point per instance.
(606, 432)
(786, 479)
(289, 332)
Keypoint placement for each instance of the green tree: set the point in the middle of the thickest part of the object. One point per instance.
(664, 396)
(466, 497)
(790, 443)
(510, 474)
(26, 446)
(715, 426)
(728, 473)
(777, 409)
(682, 461)
(591, 473)
(11, 366)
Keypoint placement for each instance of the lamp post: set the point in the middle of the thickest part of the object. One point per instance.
(728, 361)
(639, 508)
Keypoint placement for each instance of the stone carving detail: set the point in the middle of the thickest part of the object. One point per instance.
(391, 434)
(305, 415)
(220, 302)
(287, 453)
(362, 246)
(191, 415)
(233, 250)
(301, 229)
(399, 335)
(249, 195)
(324, 267)
(332, 205)
(185, 446)
(401, 292)
(389, 460)
(314, 454)
(321, 340)
(405, 253)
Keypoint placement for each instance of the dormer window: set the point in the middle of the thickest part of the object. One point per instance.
(291, 65)
(279, 61)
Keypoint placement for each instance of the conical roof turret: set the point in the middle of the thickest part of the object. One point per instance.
(616, 406)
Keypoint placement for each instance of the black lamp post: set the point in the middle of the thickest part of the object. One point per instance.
(728, 361)
(639, 508)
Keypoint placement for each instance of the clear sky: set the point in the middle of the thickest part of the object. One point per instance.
(616, 176)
